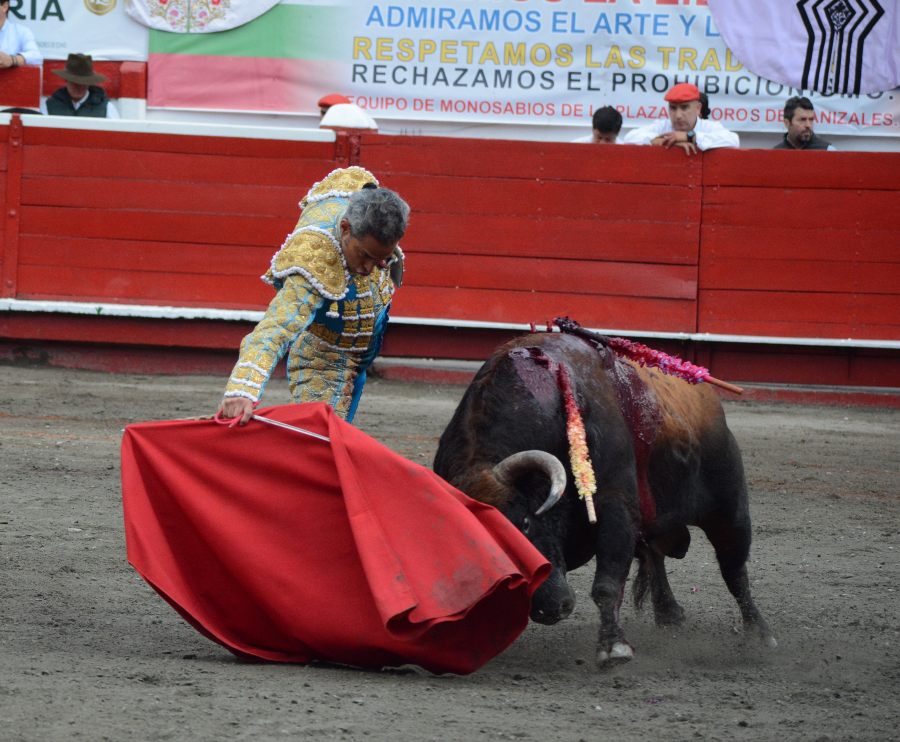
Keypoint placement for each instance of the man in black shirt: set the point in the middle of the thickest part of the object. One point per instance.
(81, 95)
(799, 116)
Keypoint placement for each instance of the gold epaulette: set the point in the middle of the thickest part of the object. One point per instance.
(315, 254)
(341, 182)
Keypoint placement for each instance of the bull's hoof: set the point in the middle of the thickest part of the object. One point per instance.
(670, 616)
(617, 654)
(760, 630)
(768, 641)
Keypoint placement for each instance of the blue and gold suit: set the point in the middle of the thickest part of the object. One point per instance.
(328, 322)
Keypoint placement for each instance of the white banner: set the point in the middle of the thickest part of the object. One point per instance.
(546, 61)
(100, 28)
(479, 61)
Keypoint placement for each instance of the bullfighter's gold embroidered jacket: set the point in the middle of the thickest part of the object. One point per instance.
(328, 322)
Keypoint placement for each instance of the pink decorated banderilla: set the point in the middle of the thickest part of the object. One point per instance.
(645, 356)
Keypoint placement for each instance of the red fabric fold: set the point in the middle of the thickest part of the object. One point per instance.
(290, 549)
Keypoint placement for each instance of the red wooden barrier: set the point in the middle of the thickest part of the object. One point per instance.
(801, 246)
(20, 87)
(522, 231)
(745, 243)
(157, 219)
(4, 177)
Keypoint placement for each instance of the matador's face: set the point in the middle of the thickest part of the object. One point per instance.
(364, 254)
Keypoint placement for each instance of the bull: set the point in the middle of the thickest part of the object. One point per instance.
(663, 459)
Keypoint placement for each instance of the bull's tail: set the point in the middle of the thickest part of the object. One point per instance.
(641, 582)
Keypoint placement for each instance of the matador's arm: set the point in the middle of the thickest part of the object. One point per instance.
(290, 312)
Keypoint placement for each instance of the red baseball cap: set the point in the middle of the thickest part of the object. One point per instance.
(332, 99)
(683, 92)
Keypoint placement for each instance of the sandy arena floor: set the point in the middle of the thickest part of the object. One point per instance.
(89, 652)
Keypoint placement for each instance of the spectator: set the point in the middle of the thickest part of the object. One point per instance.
(684, 128)
(606, 124)
(799, 117)
(704, 106)
(332, 99)
(17, 44)
(81, 95)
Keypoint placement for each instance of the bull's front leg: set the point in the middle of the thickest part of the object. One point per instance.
(615, 543)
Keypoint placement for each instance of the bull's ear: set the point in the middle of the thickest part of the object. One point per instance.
(481, 484)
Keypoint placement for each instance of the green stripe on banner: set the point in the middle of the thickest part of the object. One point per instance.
(284, 32)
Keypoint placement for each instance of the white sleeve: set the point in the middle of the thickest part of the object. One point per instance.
(713, 135)
(645, 134)
(111, 111)
(28, 47)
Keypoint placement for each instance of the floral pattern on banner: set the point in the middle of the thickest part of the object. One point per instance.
(196, 16)
(184, 15)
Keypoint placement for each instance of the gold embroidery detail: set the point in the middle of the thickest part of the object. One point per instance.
(346, 179)
(320, 331)
(324, 212)
(314, 253)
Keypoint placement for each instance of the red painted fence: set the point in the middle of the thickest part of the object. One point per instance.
(734, 243)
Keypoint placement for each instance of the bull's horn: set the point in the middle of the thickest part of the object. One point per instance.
(546, 462)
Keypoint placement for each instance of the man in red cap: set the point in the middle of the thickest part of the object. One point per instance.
(332, 99)
(684, 128)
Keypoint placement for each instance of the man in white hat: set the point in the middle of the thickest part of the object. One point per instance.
(82, 94)
(17, 44)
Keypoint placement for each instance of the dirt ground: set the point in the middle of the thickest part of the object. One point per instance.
(89, 652)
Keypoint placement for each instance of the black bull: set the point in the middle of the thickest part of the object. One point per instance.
(663, 456)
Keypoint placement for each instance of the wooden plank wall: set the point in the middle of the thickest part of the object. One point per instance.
(158, 219)
(733, 242)
(523, 231)
(802, 244)
(4, 176)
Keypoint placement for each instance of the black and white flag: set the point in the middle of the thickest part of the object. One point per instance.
(831, 46)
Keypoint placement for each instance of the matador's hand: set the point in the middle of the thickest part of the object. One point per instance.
(239, 409)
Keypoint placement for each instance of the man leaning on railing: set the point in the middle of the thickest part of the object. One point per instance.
(17, 44)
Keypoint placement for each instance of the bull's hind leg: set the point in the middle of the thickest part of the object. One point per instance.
(732, 544)
(652, 575)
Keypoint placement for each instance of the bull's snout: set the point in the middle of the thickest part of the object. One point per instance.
(553, 614)
(553, 601)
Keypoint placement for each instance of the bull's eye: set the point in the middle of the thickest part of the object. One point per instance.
(526, 524)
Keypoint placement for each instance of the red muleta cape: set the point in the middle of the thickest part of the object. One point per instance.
(287, 548)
